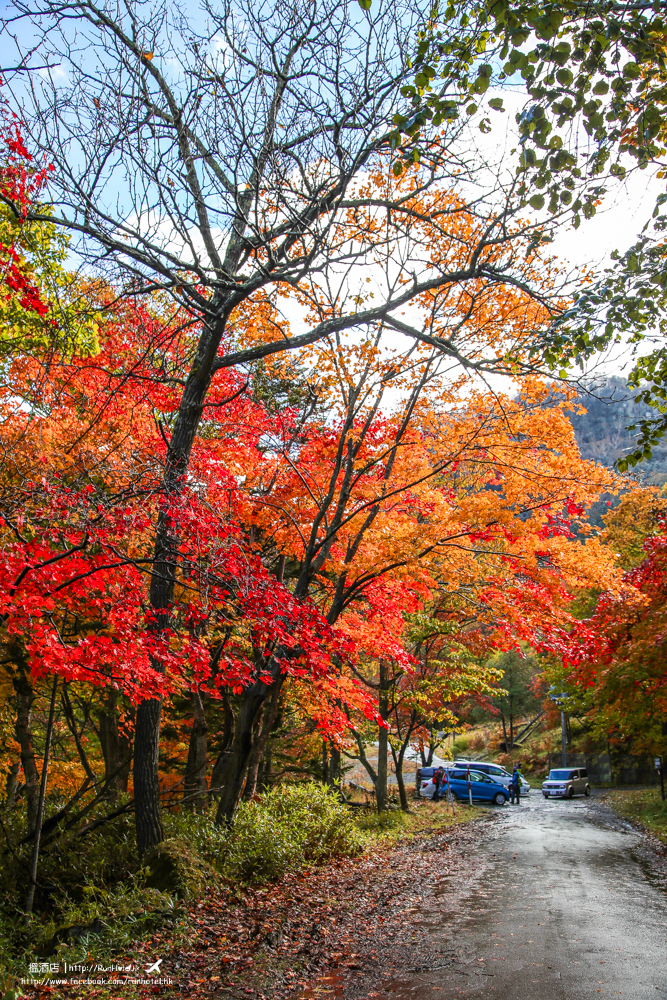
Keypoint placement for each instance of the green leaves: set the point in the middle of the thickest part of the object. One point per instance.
(365, 4)
(565, 77)
(599, 66)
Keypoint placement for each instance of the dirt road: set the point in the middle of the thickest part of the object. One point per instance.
(556, 901)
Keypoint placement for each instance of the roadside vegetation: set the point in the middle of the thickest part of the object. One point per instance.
(644, 807)
(98, 901)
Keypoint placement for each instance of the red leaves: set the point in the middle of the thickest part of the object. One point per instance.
(20, 184)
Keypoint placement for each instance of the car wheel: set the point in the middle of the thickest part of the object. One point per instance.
(587, 790)
(499, 799)
(570, 793)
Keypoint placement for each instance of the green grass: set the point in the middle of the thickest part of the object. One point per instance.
(644, 807)
(425, 817)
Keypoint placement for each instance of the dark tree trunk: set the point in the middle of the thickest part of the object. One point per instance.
(383, 732)
(261, 739)
(234, 765)
(502, 716)
(195, 788)
(401, 787)
(12, 785)
(32, 883)
(73, 728)
(146, 776)
(335, 772)
(325, 762)
(365, 761)
(398, 766)
(25, 697)
(227, 739)
(115, 745)
(163, 578)
(264, 773)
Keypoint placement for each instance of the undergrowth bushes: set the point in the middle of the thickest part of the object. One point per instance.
(95, 895)
(289, 827)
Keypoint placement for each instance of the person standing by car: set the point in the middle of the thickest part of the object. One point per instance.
(515, 787)
(437, 781)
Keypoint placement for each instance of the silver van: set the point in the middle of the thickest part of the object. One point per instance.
(565, 782)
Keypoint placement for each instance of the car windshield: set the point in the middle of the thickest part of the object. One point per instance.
(560, 775)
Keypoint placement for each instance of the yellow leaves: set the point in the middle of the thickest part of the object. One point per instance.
(258, 320)
(636, 518)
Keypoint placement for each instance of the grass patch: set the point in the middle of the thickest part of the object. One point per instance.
(644, 806)
(425, 817)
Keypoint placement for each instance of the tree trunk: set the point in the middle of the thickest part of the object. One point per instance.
(383, 732)
(234, 765)
(365, 761)
(260, 741)
(334, 775)
(431, 751)
(25, 697)
(32, 884)
(325, 763)
(398, 765)
(146, 776)
(502, 716)
(227, 739)
(163, 577)
(12, 785)
(70, 718)
(264, 774)
(195, 787)
(116, 746)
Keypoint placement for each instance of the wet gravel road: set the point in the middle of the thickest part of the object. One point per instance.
(551, 900)
(565, 901)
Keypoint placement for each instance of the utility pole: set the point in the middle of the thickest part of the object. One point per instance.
(559, 697)
(563, 736)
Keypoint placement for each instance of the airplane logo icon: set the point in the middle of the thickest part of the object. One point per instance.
(156, 967)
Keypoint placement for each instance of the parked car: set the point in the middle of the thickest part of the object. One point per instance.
(425, 776)
(565, 782)
(495, 771)
(483, 787)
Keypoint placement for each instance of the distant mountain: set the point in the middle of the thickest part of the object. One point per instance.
(601, 432)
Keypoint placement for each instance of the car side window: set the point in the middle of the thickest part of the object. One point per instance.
(583, 773)
(573, 775)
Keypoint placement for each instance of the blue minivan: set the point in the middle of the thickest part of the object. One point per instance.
(483, 788)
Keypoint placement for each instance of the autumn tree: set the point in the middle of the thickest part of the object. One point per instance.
(614, 660)
(237, 144)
